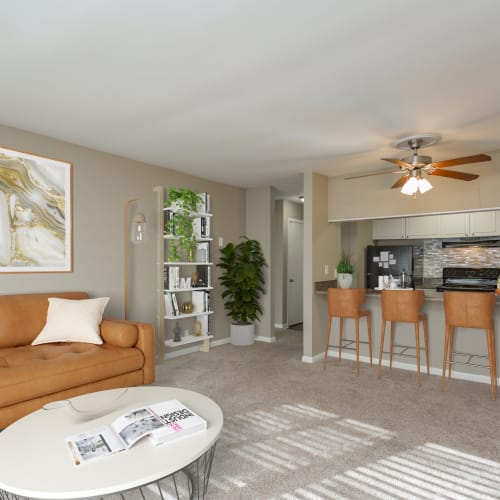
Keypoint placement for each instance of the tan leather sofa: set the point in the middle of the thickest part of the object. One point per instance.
(33, 375)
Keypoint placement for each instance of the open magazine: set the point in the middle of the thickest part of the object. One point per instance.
(163, 422)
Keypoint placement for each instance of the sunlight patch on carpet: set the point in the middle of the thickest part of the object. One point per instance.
(430, 471)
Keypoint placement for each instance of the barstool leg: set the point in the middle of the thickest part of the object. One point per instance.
(341, 331)
(445, 356)
(489, 334)
(494, 353)
(382, 335)
(450, 347)
(391, 344)
(369, 326)
(357, 345)
(426, 343)
(327, 343)
(417, 342)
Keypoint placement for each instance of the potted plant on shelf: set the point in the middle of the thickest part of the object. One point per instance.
(345, 269)
(243, 281)
(183, 203)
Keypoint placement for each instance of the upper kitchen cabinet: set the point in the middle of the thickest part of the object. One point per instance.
(425, 226)
(389, 229)
(470, 224)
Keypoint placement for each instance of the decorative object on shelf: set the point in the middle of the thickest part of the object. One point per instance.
(184, 204)
(197, 331)
(177, 332)
(35, 214)
(345, 269)
(135, 233)
(243, 281)
(187, 307)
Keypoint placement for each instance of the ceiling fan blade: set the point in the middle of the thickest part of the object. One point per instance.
(369, 174)
(396, 161)
(399, 183)
(453, 174)
(461, 161)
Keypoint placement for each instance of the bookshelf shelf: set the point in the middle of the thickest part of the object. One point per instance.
(175, 279)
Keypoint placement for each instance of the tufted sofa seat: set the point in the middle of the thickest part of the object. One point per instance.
(33, 375)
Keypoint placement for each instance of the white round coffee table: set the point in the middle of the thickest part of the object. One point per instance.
(35, 461)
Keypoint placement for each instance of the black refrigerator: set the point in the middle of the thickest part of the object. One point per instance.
(388, 259)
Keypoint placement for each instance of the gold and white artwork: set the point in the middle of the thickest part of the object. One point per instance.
(35, 213)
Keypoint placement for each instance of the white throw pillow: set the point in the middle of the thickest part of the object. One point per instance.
(73, 321)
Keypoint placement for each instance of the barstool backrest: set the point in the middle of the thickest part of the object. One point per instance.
(402, 305)
(345, 302)
(469, 309)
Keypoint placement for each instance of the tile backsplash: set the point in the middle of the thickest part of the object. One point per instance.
(430, 258)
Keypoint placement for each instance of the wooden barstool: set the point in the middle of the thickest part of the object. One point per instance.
(403, 306)
(345, 303)
(469, 310)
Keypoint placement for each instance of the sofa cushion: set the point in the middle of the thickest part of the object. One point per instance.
(73, 321)
(23, 316)
(119, 333)
(28, 372)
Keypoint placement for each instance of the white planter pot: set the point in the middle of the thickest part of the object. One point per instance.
(242, 334)
(344, 280)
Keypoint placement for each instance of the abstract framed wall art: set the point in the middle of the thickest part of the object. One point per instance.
(35, 213)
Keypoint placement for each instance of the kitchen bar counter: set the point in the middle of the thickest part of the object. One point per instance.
(470, 344)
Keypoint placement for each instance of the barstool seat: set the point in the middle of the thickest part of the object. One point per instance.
(469, 310)
(403, 306)
(345, 303)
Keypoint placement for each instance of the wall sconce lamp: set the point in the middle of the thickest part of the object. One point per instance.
(136, 233)
(416, 183)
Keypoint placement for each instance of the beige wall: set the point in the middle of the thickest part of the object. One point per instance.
(374, 198)
(260, 226)
(321, 246)
(101, 185)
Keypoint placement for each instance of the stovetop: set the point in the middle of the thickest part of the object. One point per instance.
(469, 279)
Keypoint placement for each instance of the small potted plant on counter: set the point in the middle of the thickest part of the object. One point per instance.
(345, 269)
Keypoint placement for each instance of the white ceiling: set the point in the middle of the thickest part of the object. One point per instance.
(249, 92)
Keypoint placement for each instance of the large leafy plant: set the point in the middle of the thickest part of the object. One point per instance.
(243, 280)
(184, 204)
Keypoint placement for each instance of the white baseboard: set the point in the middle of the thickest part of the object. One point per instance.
(281, 326)
(196, 348)
(269, 340)
(471, 377)
(313, 359)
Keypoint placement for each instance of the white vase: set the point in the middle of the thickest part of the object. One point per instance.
(242, 334)
(344, 280)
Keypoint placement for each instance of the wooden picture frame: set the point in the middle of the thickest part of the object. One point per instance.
(35, 213)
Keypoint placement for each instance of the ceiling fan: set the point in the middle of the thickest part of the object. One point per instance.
(412, 167)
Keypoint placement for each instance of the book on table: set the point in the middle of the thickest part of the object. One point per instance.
(162, 422)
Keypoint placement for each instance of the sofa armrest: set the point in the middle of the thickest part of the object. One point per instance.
(133, 334)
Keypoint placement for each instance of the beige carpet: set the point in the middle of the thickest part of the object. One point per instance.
(293, 431)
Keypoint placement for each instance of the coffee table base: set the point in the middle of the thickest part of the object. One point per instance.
(193, 485)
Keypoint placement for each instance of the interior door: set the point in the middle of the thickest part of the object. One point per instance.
(295, 271)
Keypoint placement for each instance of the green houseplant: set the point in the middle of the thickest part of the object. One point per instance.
(243, 282)
(184, 204)
(345, 270)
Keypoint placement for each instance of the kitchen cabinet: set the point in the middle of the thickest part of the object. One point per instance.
(425, 226)
(470, 224)
(389, 229)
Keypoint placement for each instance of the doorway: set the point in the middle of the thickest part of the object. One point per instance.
(295, 251)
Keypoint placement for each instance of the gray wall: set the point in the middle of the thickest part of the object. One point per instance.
(102, 183)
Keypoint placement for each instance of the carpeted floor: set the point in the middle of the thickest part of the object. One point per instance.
(293, 431)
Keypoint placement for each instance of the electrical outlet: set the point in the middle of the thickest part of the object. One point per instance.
(327, 269)
(334, 274)
(221, 241)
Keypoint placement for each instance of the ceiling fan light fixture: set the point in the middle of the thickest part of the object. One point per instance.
(410, 186)
(424, 185)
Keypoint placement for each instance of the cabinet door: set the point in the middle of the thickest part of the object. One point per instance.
(454, 225)
(425, 226)
(389, 229)
(483, 223)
